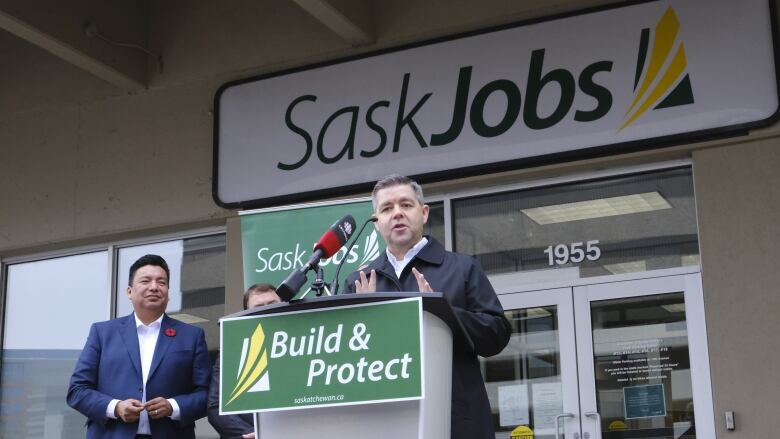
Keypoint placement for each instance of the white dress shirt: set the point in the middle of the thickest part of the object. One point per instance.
(400, 265)
(147, 340)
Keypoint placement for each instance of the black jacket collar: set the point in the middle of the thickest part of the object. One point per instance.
(432, 253)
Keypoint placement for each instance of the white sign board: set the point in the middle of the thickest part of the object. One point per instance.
(513, 405)
(615, 80)
(547, 403)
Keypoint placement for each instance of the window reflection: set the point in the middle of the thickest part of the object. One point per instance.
(435, 225)
(49, 310)
(643, 376)
(524, 381)
(593, 228)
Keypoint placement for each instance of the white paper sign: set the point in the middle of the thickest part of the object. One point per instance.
(547, 400)
(513, 405)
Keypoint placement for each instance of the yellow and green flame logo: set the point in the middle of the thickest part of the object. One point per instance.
(664, 79)
(252, 369)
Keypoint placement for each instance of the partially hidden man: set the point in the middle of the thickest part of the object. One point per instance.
(414, 262)
(143, 375)
(240, 426)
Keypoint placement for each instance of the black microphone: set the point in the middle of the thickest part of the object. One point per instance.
(334, 286)
(329, 243)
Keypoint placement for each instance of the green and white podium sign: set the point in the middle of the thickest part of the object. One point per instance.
(356, 354)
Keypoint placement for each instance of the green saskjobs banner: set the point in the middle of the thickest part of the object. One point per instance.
(277, 242)
(354, 354)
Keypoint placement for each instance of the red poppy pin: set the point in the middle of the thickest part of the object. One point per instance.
(170, 332)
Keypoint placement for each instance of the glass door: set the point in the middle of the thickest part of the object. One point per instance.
(604, 361)
(639, 343)
(532, 383)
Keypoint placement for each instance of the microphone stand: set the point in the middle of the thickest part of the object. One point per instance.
(334, 286)
(318, 284)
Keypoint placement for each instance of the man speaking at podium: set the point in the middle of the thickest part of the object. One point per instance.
(414, 262)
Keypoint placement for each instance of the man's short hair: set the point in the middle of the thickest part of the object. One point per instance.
(257, 288)
(395, 180)
(153, 260)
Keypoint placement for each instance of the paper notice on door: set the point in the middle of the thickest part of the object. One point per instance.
(513, 405)
(547, 400)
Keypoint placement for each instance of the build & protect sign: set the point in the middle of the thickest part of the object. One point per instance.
(356, 354)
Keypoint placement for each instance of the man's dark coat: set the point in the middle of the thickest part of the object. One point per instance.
(465, 286)
(228, 426)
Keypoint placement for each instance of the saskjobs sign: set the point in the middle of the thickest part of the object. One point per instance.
(355, 354)
(607, 81)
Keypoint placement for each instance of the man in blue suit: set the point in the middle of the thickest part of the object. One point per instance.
(143, 375)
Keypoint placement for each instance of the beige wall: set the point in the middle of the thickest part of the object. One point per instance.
(234, 275)
(84, 161)
(738, 200)
(75, 168)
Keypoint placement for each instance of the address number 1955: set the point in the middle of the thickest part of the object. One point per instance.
(575, 252)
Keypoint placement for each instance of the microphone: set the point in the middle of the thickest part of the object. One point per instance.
(329, 243)
(334, 286)
(332, 240)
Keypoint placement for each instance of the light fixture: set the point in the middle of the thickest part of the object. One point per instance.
(626, 267)
(188, 318)
(674, 307)
(689, 260)
(602, 207)
(535, 313)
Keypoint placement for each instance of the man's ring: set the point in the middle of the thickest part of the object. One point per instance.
(154, 412)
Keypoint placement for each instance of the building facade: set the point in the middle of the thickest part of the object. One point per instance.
(638, 281)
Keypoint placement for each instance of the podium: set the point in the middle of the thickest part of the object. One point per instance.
(427, 417)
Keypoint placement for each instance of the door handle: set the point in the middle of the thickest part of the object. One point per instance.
(557, 426)
(598, 422)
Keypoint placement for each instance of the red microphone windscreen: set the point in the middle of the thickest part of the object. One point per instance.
(329, 243)
(337, 235)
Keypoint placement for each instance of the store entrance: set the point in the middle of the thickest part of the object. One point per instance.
(623, 359)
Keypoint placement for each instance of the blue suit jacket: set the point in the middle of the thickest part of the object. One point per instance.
(110, 368)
